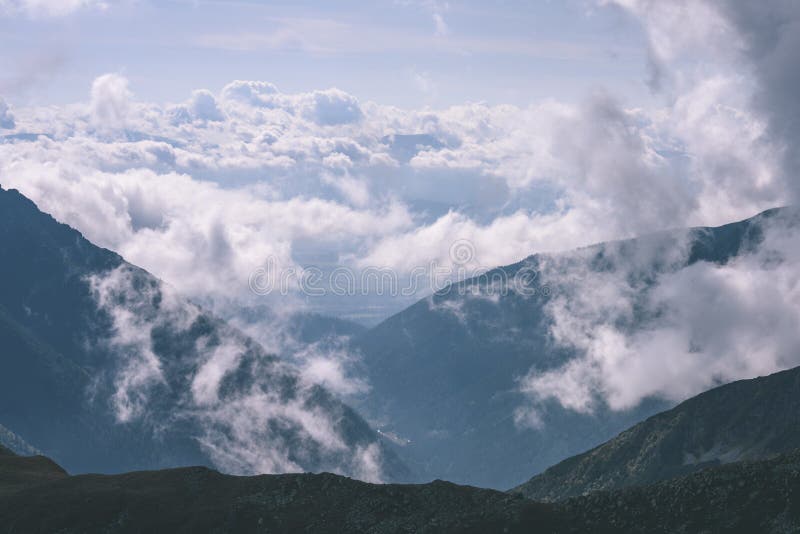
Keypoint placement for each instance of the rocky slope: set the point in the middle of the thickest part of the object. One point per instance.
(748, 419)
(743, 497)
(197, 499)
(37, 496)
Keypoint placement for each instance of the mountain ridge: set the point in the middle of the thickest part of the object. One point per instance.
(36, 495)
(750, 419)
(103, 368)
(445, 370)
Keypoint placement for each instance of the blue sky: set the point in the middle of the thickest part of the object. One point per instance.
(404, 53)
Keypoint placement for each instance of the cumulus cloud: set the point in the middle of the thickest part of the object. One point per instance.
(703, 45)
(6, 117)
(203, 192)
(202, 106)
(328, 107)
(110, 101)
(771, 36)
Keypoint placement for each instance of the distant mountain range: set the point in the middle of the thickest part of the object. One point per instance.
(445, 372)
(106, 369)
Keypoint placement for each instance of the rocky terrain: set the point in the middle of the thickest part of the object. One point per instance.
(743, 497)
(37, 496)
(748, 419)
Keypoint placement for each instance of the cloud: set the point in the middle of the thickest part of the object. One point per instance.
(253, 93)
(771, 37)
(206, 239)
(670, 331)
(646, 326)
(329, 107)
(441, 26)
(202, 106)
(250, 412)
(332, 107)
(749, 46)
(204, 192)
(133, 317)
(48, 8)
(436, 8)
(110, 101)
(32, 70)
(6, 117)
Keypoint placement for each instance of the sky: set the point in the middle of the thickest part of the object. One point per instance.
(402, 53)
(227, 146)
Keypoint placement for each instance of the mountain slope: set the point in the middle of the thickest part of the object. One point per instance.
(106, 369)
(445, 372)
(742, 497)
(35, 497)
(744, 420)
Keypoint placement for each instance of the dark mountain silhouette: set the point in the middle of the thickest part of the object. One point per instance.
(36, 495)
(742, 498)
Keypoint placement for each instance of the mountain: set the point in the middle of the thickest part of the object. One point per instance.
(445, 372)
(742, 497)
(36, 495)
(21, 472)
(106, 369)
(744, 420)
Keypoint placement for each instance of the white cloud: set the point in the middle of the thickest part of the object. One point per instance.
(649, 327)
(133, 320)
(6, 117)
(202, 201)
(273, 420)
(48, 8)
(203, 192)
(110, 101)
(202, 106)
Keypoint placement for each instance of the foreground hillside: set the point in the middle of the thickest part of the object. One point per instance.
(197, 499)
(745, 420)
(743, 497)
(38, 496)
